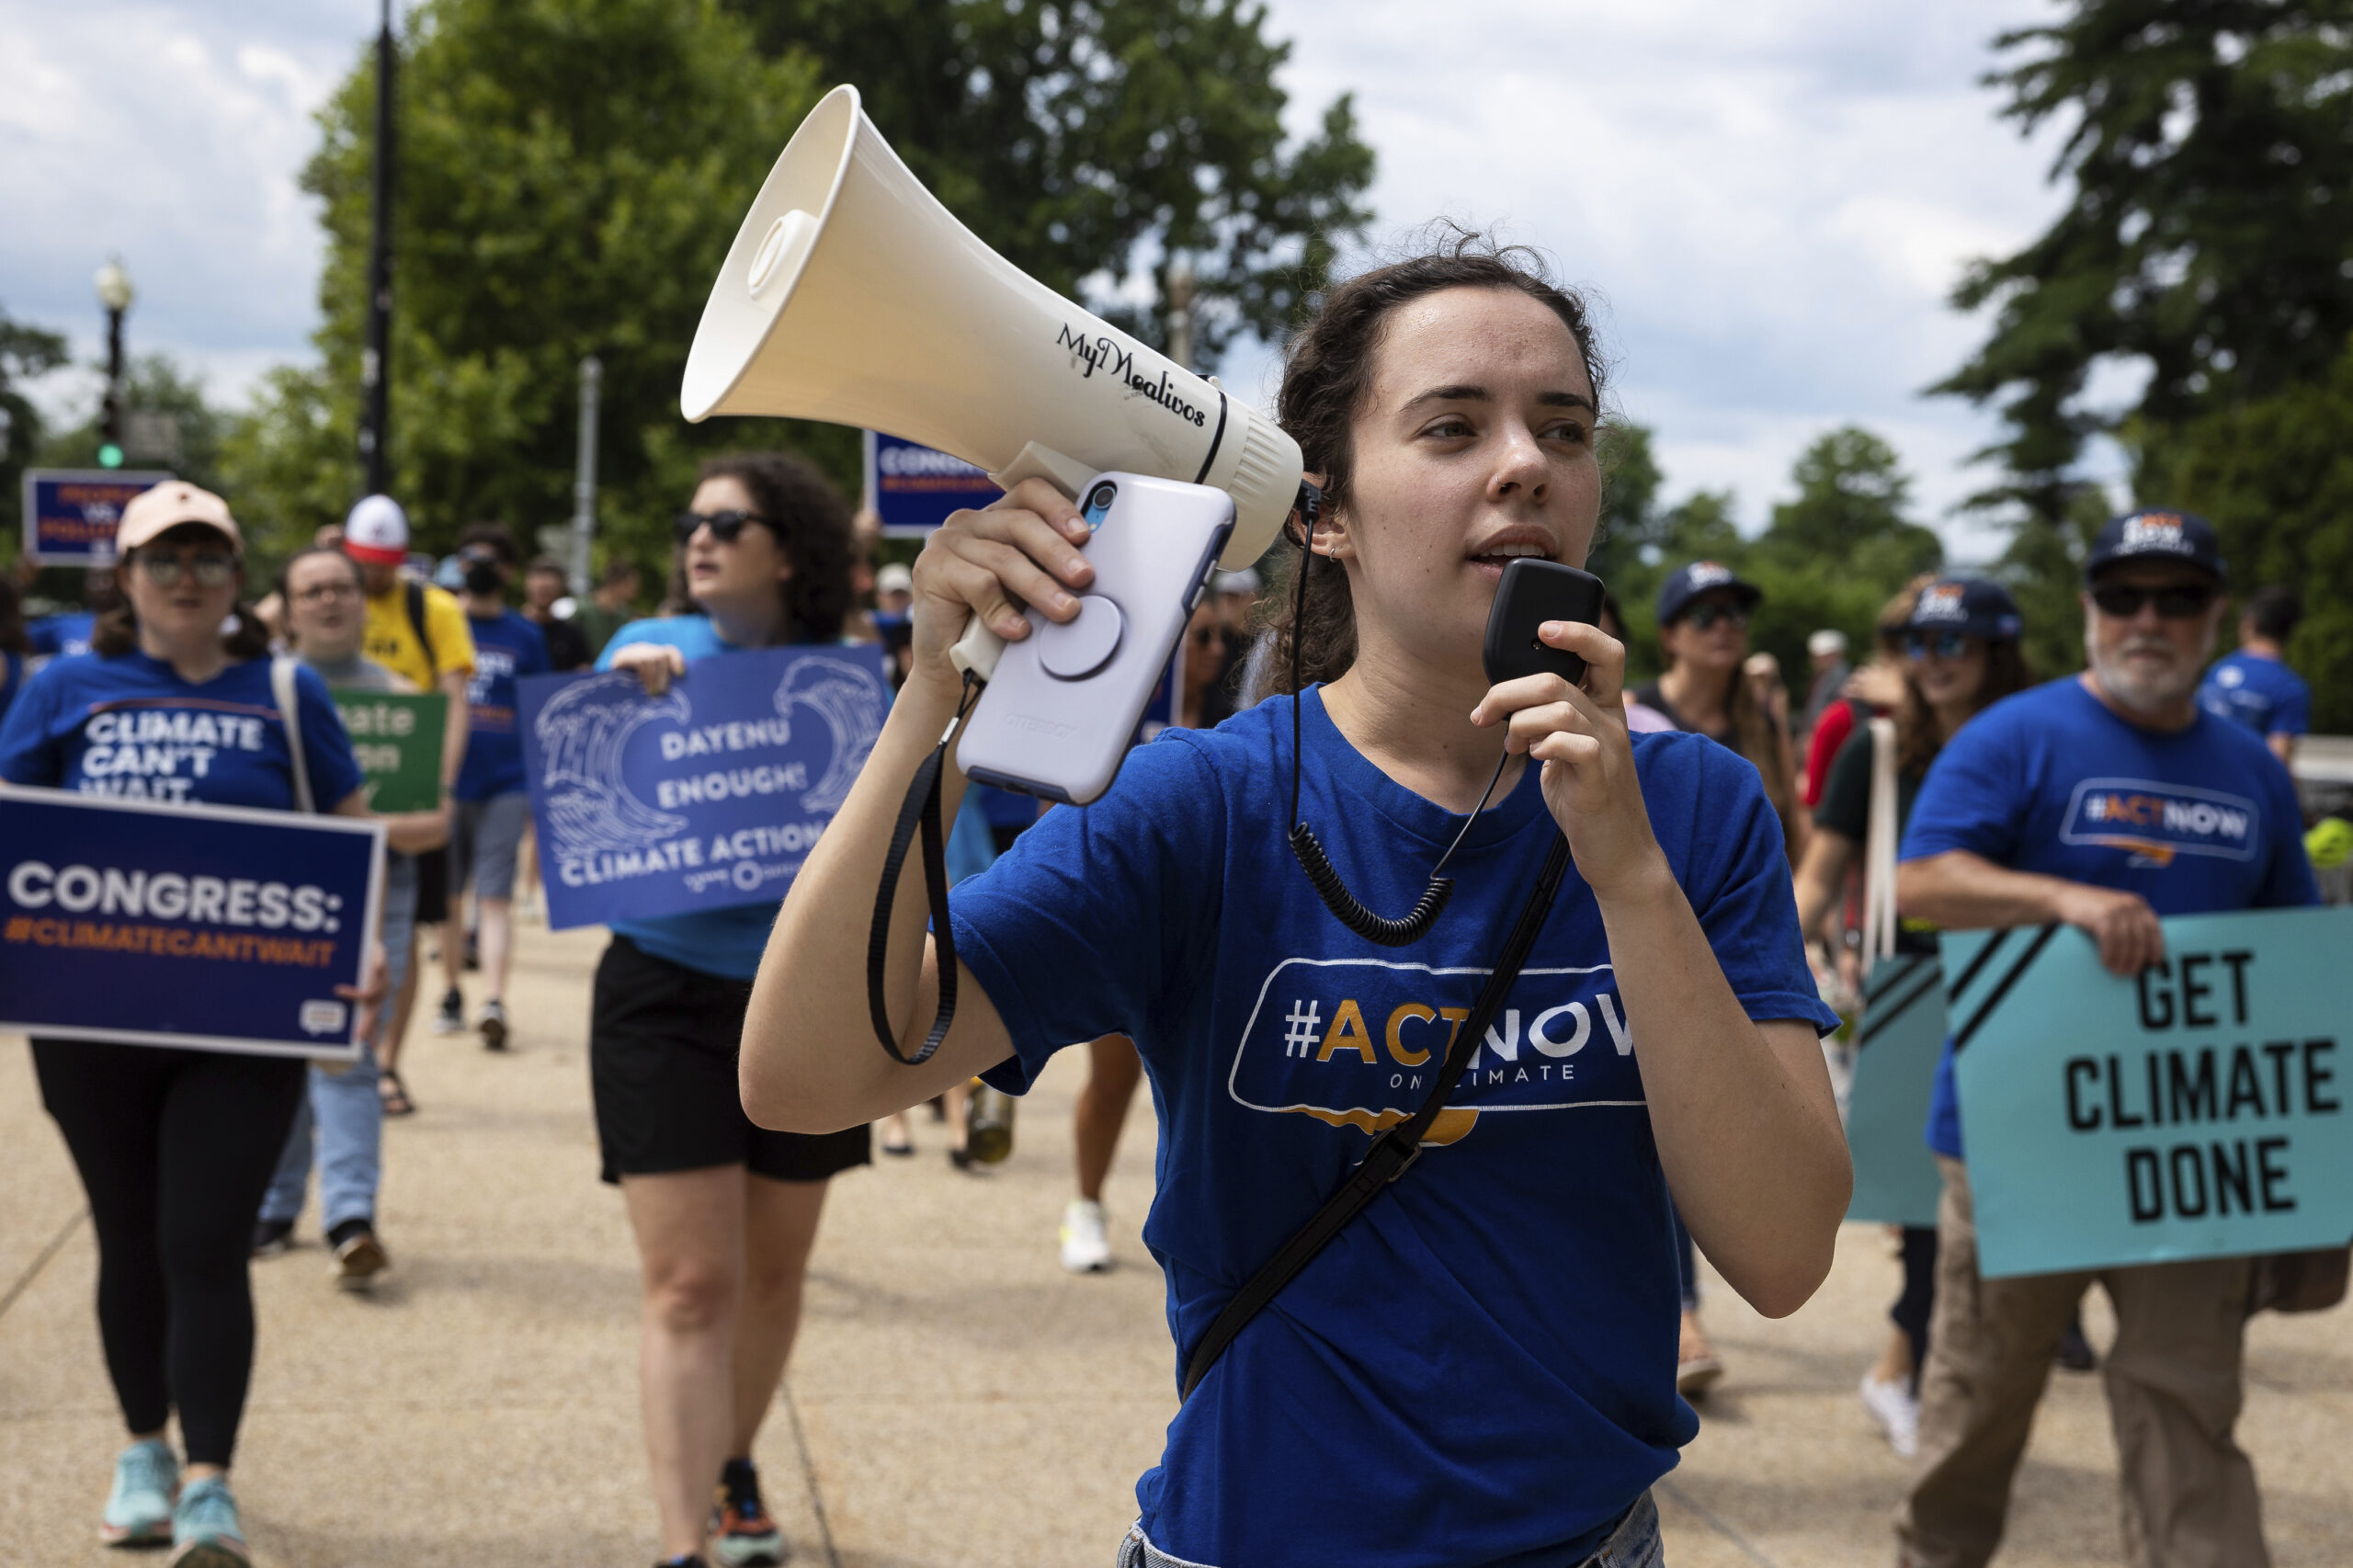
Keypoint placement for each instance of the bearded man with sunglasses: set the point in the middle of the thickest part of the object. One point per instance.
(2050, 807)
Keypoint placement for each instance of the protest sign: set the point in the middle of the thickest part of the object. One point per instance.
(912, 487)
(211, 927)
(1897, 1042)
(70, 514)
(397, 740)
(2194, 1110)
(708, 796)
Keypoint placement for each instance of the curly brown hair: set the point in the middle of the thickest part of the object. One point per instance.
(811, 520)
(1327, 371)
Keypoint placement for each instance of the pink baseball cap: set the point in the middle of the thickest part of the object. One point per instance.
(167, 505)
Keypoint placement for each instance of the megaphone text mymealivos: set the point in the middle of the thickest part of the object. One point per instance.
(852, 296)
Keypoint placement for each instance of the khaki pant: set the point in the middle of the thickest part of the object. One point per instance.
(2174, 1393)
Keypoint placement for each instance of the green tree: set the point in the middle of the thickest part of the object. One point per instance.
(1850, 515)
(571, 176)
(1079, 136)
(1630, 515)
(27, 353)
(153, 384)
(2275, 476)
(2209, 149)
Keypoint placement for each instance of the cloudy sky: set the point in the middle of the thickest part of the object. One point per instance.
(1771, 201)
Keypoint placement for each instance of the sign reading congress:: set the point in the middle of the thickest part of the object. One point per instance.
(211, 927)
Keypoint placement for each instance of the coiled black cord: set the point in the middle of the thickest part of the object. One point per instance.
(1321, 874)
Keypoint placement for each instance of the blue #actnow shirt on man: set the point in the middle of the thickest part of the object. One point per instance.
(2198, 822)
(2262, 694)
(505, 645)
(127, 725)
(1480, 1368)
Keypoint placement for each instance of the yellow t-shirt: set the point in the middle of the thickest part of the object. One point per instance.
(392, 639)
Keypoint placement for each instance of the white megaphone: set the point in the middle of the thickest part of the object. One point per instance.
(852, 296)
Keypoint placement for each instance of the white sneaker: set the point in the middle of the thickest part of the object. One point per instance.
(1086, 1249)
(1898, 1412)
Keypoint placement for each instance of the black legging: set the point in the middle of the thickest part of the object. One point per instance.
(175, 1148)
(1913, 1307)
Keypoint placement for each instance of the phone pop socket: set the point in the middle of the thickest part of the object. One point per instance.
(1075, 649)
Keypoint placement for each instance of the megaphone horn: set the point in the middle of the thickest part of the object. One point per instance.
(851, 295)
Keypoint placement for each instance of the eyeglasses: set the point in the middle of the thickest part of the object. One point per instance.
(319, 591)
(1943, 644)
(1706, 616)
(2177, 603)
(210, 567)
(725, 527)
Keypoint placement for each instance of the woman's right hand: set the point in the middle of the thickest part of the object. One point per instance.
(655, 664)
(1023, 548)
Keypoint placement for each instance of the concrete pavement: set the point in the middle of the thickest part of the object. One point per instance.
(956, 1399)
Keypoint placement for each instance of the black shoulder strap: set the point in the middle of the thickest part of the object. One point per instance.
(414, 593)
(1393, 1151)
(918, 812)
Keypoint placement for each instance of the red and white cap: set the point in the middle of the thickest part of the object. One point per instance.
(377, 531)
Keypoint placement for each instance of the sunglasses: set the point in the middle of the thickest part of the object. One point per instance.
(2123, 601)
(1943, 645)
(1205, 635)
(1706, 616)
(725, 527)
(209, 568)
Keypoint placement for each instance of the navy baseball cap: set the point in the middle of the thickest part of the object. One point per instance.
(1970, 605)
(1688, 583)
(2156, 536)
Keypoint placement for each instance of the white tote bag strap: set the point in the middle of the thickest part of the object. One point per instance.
(290, 711)
(1879, 849)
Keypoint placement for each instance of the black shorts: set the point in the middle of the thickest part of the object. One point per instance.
(662, 1046)
(433, 887)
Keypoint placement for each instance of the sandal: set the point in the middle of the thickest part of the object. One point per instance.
(395, 1094)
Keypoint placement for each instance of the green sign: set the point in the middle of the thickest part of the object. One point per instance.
(398, 743)
(2197, 1109)
(1897, 1043)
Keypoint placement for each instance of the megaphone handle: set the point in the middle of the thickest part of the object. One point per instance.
(976, 653)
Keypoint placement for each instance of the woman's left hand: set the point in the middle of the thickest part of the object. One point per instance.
(1579, 737)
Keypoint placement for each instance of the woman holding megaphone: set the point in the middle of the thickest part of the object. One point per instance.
(1481, 1367)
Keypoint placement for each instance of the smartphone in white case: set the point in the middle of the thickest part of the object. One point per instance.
(1062, 710)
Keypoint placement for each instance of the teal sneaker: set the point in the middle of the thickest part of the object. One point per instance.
(205, 1531)
(139, 1509)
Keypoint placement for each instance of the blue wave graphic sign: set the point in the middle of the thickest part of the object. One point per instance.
(208, 927)
(709, 796)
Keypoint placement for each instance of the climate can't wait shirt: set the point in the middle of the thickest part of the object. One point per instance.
(127, 725)
(2198, 821)
(1480, 1368)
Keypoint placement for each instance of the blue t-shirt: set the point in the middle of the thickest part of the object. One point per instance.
(506, 646)
(2263, 693)
(725, 942)
(12, 679)
(1481, 1367)
(2052, 781)
(129, 726)
(60, 636)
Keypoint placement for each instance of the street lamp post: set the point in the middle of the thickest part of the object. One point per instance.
(116, 294)
(1180, 311)
(375, 370)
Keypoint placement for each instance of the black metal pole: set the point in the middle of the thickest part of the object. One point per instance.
(112, 422)
(375, 360)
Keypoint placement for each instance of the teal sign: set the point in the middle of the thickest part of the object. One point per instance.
(2195, 1111)
(1896, 1047)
